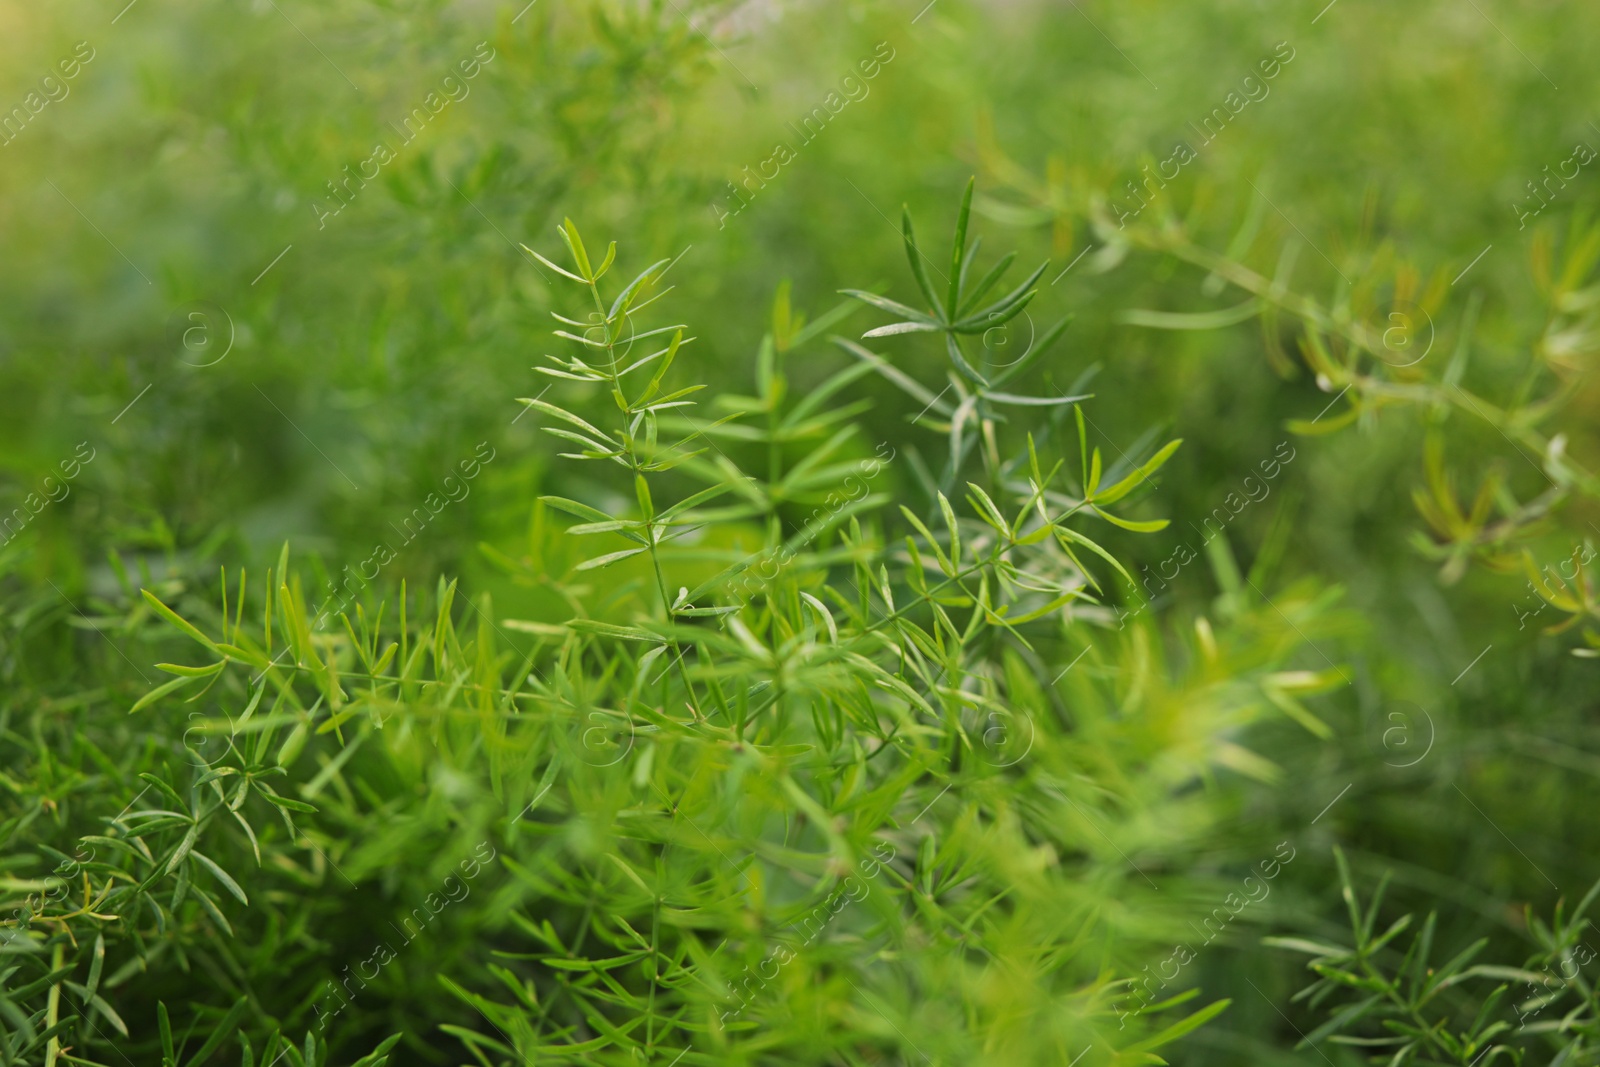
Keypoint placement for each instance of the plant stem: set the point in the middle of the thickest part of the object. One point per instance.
(53, 1009)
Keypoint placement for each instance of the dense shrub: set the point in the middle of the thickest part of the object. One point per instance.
(843, 712)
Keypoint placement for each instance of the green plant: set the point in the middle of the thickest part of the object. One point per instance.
(830, 707)
(1407, 1009)
(1361, 345)
(857, 789)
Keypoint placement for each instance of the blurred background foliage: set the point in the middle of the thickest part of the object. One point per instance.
(368, 353)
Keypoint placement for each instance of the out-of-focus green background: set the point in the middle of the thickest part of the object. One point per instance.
(246, 369)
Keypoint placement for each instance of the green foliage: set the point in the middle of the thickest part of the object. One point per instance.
(1407, 1009)
(683, 785)
(850, 692)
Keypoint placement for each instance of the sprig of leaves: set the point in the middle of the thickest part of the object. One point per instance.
(978, 397)
(1408, 1009)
